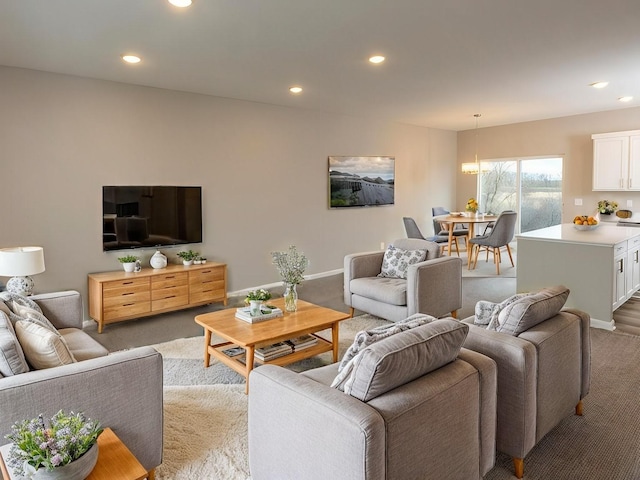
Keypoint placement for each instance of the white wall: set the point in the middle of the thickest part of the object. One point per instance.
(263, 170)
(569, 137)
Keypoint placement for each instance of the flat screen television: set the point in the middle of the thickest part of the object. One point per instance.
(150, 216)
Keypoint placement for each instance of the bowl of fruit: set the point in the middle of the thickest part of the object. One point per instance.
(585, 222)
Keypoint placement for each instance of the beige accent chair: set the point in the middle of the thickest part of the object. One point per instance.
(419, 407)
(544, 371)
(433, 287)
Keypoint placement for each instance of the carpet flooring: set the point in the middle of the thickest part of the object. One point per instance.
(205, 416)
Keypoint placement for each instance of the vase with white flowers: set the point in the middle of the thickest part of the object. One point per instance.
(66, 448)
(607, 207)
(291, 266)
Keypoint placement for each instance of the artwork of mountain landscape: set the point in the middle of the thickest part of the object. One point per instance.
(361, 181)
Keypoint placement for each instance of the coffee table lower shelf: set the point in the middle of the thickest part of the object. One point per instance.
(240, 366)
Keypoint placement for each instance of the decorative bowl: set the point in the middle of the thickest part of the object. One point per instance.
(586, 227)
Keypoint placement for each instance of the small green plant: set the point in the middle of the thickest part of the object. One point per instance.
(38, 446)
(188, 255)
(127, 259)
(260, 294)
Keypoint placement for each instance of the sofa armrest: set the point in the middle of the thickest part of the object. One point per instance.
(435, 286)
(517, 387)
(290, 415)
(585, 331)
(488, 371)
(122, 391)
(62, 309)
(360, 265)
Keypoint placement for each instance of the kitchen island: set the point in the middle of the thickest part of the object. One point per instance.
(601, 267)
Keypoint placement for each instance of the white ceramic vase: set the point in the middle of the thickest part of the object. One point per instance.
(158, 260)
(129, 267)
(254, 307)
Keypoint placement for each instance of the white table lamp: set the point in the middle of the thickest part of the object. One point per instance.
(19, 263)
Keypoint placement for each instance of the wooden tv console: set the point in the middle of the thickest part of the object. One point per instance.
(117, 296)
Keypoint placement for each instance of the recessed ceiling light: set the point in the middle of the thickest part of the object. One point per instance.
(131, 58)
(599, 84)
(376, 59)
(295, 90)
(627, 98)
(180, 3)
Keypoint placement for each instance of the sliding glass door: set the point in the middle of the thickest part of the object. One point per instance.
(532, 187)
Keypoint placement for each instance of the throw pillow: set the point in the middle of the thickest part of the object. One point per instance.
(365, 338)
(396, 261)
(12, 361)
(528, 312)
(402, 358)
(35, 316)
(42, 347)
(14, 301)
(486, 313)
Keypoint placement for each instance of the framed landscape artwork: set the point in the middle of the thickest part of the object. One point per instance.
(361, 181)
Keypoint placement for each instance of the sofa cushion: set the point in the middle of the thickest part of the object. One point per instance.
(81, 345)
(396, 261)
(392, 291)
(15, 301)
(365, 338)
(531, 310)
(12, 360)
(35, 316)
(486, 313)
(403, 357)
(42, 347)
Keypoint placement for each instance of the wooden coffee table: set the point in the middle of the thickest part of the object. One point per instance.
(115, 461)
(308, 319)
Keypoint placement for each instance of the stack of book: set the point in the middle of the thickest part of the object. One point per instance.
(302, 342)
(244, 313)
(269, 352)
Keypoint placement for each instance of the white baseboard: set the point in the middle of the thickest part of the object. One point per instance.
(279, 284)
(610, 325)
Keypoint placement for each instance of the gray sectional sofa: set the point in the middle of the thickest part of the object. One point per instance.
(123, 390)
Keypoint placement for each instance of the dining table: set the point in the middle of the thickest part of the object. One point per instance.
(467, 218)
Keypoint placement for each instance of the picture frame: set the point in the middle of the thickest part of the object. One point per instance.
(367, 181)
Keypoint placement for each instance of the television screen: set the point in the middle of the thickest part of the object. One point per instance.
(150, 216)
(361, 181)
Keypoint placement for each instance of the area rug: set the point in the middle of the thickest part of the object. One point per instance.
(205, 425)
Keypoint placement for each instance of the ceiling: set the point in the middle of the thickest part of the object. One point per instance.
(510, 60)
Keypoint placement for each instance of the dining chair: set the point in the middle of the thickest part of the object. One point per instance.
(501, 234)
(411, 227)
(442, 228)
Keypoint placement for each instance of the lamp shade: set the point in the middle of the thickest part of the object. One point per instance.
(21, 261)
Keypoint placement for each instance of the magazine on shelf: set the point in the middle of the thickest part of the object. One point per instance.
(233, 351)
(302, 342)
(269, 352)
(244, 313)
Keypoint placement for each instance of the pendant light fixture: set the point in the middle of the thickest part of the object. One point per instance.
(473, 168)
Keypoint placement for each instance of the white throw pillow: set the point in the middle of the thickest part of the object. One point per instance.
(396, 261)
(35, 316)
(42, 347)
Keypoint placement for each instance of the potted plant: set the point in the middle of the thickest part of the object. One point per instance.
(255, 299)
(66, 448)
(128, 262)
(188, 257)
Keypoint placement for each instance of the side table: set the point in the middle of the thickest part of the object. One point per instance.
(115, 461)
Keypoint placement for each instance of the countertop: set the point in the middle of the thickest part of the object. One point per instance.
(606, 235)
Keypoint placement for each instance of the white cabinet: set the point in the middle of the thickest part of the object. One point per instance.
(616, 161)
(619, 274)
(633, 267)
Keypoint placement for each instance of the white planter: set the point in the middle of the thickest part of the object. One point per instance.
(129, 267)
(187, 262)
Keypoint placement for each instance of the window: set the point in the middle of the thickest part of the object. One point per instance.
(532, 187)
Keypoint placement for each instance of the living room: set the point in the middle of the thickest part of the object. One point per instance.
(262, 166)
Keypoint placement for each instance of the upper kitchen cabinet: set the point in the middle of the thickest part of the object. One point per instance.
(616, 161)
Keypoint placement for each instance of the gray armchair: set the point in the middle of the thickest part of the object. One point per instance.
(544, 373)
(437, 424)
(122, 390)
(433, 287)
